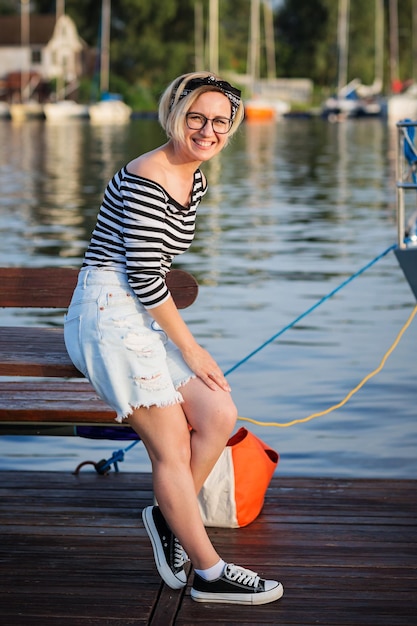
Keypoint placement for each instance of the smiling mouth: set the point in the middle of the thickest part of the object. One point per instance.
(204, 143)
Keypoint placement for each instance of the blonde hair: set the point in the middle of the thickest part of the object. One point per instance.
(173, 105)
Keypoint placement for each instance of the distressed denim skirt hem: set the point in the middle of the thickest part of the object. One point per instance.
(116, 344)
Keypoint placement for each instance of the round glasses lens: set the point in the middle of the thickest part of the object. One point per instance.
(221, 125)
(195, 121)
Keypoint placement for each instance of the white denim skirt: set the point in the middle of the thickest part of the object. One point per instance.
(113, 340)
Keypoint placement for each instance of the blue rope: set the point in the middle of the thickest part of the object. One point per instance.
(300, 317)
(117, 457)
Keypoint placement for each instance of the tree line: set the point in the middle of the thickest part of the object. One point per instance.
(152, 42)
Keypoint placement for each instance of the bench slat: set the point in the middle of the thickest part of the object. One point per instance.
(52, 287)
(43, 402)
(32, 351)
(37, 287)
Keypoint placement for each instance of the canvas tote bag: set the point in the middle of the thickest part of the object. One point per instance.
(234, 492)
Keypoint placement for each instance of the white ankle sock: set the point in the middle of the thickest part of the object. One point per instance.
(212, 572)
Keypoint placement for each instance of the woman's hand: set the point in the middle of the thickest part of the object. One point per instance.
(196, 357)
(205, 367)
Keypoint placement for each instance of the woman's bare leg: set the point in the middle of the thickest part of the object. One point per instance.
(212, 416)
(174, 452)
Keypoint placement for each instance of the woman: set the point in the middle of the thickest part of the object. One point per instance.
(125, 334)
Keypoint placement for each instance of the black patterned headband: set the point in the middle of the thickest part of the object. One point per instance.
(226, 88)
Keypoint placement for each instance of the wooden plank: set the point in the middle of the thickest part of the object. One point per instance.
(183, 288)
(168, 604)
(52, 287)
(345, 550)
(65, 576)
(37, 287)
(33, 351)
(53, 401)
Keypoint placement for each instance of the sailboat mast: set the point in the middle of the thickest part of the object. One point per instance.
(254, 43)
(379, 43)
(214, 36)
(198, 36)
(24, 41)
(60, 78)
(269, 39)
(105, 46)
(393, 39)
(343, 41)
(60, 8)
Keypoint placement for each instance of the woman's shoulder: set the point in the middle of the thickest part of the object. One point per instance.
(144, 172)
(148, 166)
(154, 168)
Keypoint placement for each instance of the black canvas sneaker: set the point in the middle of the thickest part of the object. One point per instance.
(236, 586)
(168, 552)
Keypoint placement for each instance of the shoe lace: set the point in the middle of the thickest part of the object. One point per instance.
(180, 555)
(241, 575)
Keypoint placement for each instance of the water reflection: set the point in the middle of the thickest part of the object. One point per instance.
(56, 174)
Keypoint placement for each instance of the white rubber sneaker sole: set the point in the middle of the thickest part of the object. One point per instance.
(174, 581)
(239, 598)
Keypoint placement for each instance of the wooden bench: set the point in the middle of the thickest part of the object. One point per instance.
(47, 390)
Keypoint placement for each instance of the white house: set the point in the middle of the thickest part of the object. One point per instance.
(32, 55)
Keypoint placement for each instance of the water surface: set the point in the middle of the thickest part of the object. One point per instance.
(294, 209)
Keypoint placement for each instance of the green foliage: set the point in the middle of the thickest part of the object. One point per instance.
(305, 35)
(153, 41)
(9, 7)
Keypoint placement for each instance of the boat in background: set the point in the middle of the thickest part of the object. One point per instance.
(31, 109)
(354, 100)
(65, 37)
(4, 110)
(263, 110)
(27, 80)
(65, 109)
(263, 105)
(403, 105)
(110, 110)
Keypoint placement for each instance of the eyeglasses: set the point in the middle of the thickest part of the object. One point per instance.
(197, 121)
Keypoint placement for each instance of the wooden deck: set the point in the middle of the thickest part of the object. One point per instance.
(73, 552)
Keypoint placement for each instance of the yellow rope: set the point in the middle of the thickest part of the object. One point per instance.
(350, 394)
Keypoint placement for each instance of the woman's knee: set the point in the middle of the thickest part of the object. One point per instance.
(164, 433)
(224, 417)
(208, 409)
(173, 456)
(230, 412)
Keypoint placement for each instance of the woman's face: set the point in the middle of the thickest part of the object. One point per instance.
(204, 143)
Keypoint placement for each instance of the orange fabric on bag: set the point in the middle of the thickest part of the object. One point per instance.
(254, 465)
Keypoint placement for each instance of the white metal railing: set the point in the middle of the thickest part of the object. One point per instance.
(406, 179)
